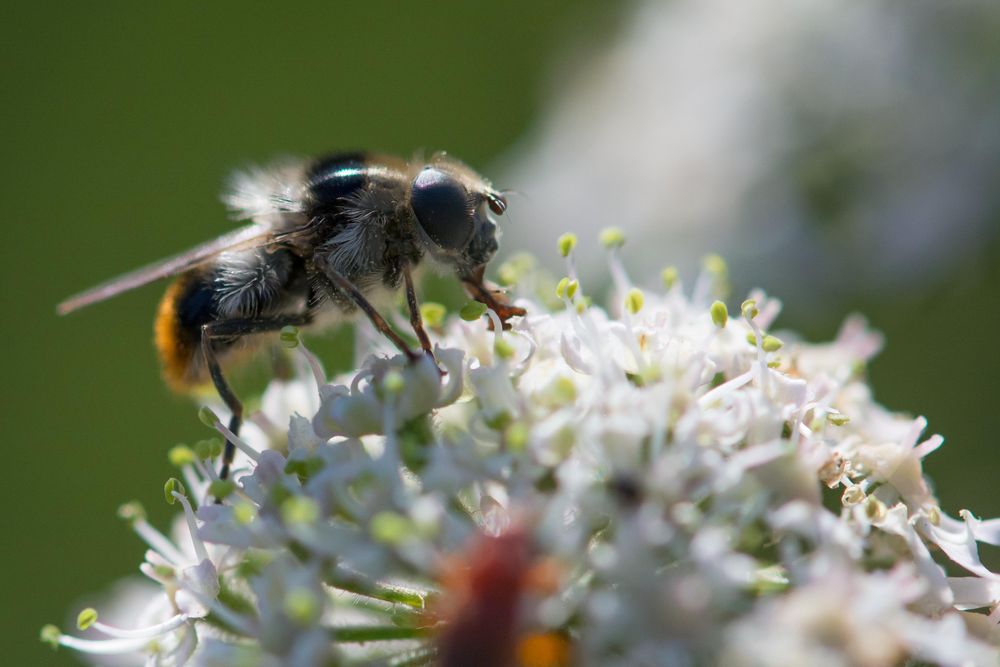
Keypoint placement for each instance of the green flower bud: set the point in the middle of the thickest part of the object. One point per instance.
(837, 418)
(634, 300)
(517, 436)
(180, 455)
(772, 343)
(164, 571)
(299, 510)
(567, 288)
(562, 391)
(302, 605)
(433, 314)
(393, 382)
(50, 635)
(86, 618)
(514, 269)
(503, 349)
(244, 513)
(715, 265)
(566, 244)
(215, 447)
(670, 276)
(472, 311)
(391, 528)
(203, 450)
(720, 314)
(612, 237)
(289, 337)
(207, 417)
(172, 486)
(221, 488)
(132, 511)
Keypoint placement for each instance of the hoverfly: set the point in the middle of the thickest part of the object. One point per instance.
(326, 238)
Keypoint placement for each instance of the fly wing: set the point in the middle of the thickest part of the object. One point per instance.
(250, 236)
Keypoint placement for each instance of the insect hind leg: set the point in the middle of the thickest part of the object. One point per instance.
(235, 328)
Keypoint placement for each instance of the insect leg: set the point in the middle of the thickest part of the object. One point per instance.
(495, 300)
(348, 288)
(415, 320)
(233, 329)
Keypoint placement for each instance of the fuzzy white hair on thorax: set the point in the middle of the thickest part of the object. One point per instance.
(356, 249)
(266, 194)
(369, 205)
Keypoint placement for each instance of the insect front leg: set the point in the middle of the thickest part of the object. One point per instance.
(348, 288)
(416, 321)
(488, 295)
(234, 329)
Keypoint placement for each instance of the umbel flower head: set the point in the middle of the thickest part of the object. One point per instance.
(665, 482)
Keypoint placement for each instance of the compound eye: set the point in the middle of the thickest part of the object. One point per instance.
(441, 205)
(497, 203)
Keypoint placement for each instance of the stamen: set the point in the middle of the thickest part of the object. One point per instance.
(147, 633)
(158, 542)
(241, 444)
(199, 546)
(319, 375)
(103, 646)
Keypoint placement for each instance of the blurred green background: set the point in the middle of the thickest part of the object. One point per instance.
(121, 121)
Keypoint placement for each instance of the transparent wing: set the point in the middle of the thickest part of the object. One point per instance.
(250, 236)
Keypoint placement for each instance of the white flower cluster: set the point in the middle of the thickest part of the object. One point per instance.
(661, 484)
